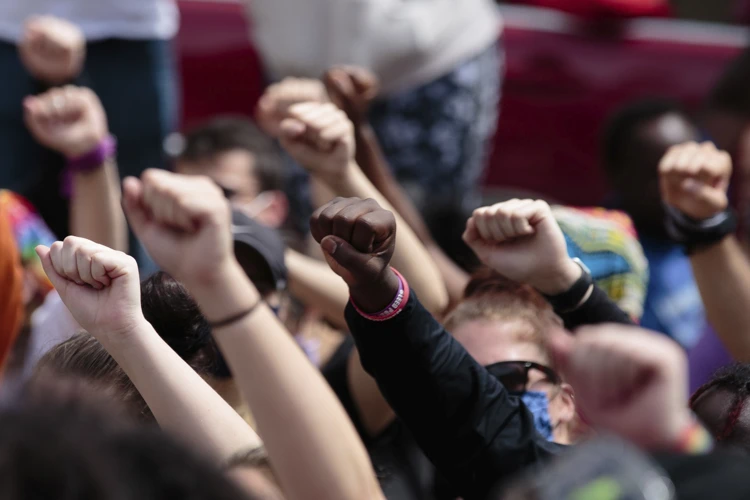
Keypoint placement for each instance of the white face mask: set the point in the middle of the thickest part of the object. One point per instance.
(260, 204)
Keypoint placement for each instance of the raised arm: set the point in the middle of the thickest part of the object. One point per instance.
(100, 287)
(321, 138)
(352, 89)
(694, 180)
(184, 222)
(71, 121)
(521, 240)
(461, 416)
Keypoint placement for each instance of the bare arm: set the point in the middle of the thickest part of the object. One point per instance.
(107, 305)
(722, 273)
(312, 282)
(313, 446)
(352, 89)
(71, 120)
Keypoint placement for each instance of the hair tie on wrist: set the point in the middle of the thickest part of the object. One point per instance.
(394, 308)
(695, 440)
(237, 317)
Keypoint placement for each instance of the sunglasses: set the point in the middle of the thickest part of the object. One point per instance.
(514, 375)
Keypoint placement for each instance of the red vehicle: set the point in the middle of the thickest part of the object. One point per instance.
(564, 76)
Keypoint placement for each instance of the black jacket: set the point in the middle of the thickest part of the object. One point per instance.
(473, 431)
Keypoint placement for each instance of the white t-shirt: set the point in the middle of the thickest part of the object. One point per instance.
(407, 43)
(99, 19)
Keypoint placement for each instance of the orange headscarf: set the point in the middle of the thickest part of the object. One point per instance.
(11, 287)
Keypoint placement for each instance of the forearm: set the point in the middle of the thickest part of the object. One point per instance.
(95, 210)
(313, 282)
(312, 444)
(411, 257)
(374, 165)
(597, 309)
(181, 401)
(722, 273)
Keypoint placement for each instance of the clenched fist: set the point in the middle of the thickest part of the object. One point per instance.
(627, 381)
(694, 179)
(358, 239)
(521, 240)
(183, 221)
(99, 286)
(70, 120)
(352, 89)
(52, 50)
(320, 138)
(274, 104)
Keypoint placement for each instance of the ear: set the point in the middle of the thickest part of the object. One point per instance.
(270, 208)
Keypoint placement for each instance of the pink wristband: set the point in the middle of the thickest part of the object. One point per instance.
(394, 308)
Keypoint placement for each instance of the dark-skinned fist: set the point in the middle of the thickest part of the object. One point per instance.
(352, 89)
(358, 238)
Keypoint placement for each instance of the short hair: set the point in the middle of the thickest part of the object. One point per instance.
(735, 379)
(619, 133)
(491, 296)
(229, 133)
(731, 93)
(56, 444)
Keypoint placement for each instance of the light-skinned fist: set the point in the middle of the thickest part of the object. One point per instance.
(184, 222)
(352, 89)
(99, 286)
(53, 50)
(70, 120)
(273, 106)
(521, 240)
(627, 381)
(694, 179)
(320, 138)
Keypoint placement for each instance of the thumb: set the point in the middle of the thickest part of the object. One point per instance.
(292, 128)
(57, 281)
(560, 345)
(345, 256)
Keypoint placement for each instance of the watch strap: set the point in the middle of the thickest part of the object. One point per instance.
(576, 295)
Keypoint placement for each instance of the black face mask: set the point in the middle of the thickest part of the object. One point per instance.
(515, 374)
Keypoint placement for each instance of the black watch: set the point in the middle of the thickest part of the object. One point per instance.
(576, 295)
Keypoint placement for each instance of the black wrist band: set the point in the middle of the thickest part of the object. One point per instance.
(696, 234)
(237, 317)
(576, 295)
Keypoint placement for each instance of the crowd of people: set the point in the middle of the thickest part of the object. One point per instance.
(315, 303)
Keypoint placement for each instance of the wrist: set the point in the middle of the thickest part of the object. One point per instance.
(343, 180)
(376, 295)
(561, 281)
(119, 339)
(90, 154)
(223, 293)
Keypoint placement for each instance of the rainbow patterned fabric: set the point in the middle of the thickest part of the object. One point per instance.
(29, 231)
(606, 241)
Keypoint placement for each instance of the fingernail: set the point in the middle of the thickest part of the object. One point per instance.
(329, 246)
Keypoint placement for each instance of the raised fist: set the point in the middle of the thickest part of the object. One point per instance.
(70, 120)
(52, 50)
(627, 381)
(320, 138)
(99, 286)
(521, 240)
(183, 221)
(274, 104)
(357, 237)
(352, 89)
(694, 179)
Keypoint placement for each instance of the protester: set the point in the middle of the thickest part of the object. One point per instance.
(440, 69)
(122, 52)
(635, 141)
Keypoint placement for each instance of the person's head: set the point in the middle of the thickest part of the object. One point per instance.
(241, 159)
(55, 444)
(636, 139)
(722, 405)
(503, 325)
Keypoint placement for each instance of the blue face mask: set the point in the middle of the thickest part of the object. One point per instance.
(538, 404)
